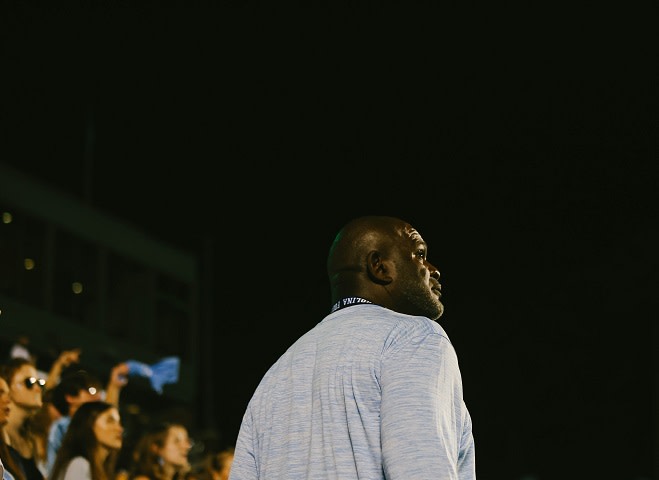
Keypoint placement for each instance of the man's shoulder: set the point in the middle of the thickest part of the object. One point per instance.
(379, 322)
(411, 330)
(416, 323)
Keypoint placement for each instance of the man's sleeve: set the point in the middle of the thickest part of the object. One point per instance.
(422, 409)
(244, 461)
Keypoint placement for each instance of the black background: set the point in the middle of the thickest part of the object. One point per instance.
(520, 142)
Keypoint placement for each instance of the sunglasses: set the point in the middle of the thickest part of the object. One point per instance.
(32, 381)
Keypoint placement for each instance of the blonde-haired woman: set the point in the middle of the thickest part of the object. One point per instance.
(162, 453)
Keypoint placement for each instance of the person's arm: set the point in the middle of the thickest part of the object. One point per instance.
(66, 358)
(244, 462)
(421, 410)
(55, 436)
(118, 380)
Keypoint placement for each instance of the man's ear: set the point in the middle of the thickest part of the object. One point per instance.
(378, 269)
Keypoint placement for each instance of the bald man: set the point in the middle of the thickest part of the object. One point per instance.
(374, 390)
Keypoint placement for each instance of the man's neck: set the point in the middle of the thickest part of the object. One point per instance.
(348, 302)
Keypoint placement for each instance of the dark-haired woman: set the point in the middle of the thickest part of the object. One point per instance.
(10, 470)
(91, 444)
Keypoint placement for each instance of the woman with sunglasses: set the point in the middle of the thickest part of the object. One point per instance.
(91, 444)
(10, 471)
(25, 389)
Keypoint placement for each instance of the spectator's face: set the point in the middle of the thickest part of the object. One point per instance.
(25, 393)
(85, 395)
(176, 447)
(108, 430)
(5, 401)
(223, 474)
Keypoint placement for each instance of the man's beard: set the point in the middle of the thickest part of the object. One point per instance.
(423, 301)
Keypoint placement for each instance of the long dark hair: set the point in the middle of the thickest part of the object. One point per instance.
(80, 441)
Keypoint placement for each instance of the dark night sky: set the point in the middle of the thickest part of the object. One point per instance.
(523, 151)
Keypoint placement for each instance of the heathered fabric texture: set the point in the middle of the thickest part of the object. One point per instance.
(368, 393)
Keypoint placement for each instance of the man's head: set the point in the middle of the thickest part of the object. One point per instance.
(74, 389)
(384, 260)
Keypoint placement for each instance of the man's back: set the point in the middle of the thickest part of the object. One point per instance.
(357, 397)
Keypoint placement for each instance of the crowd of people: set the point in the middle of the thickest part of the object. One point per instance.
(373, 390)
(65, 424)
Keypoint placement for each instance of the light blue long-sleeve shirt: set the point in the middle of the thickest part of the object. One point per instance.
(4, 474)
(368, 393)
(55, 436)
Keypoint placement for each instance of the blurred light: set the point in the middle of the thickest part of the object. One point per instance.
(6, 217)
(28, 263)
(76, 287)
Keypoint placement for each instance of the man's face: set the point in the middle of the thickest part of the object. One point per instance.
(418, 279)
